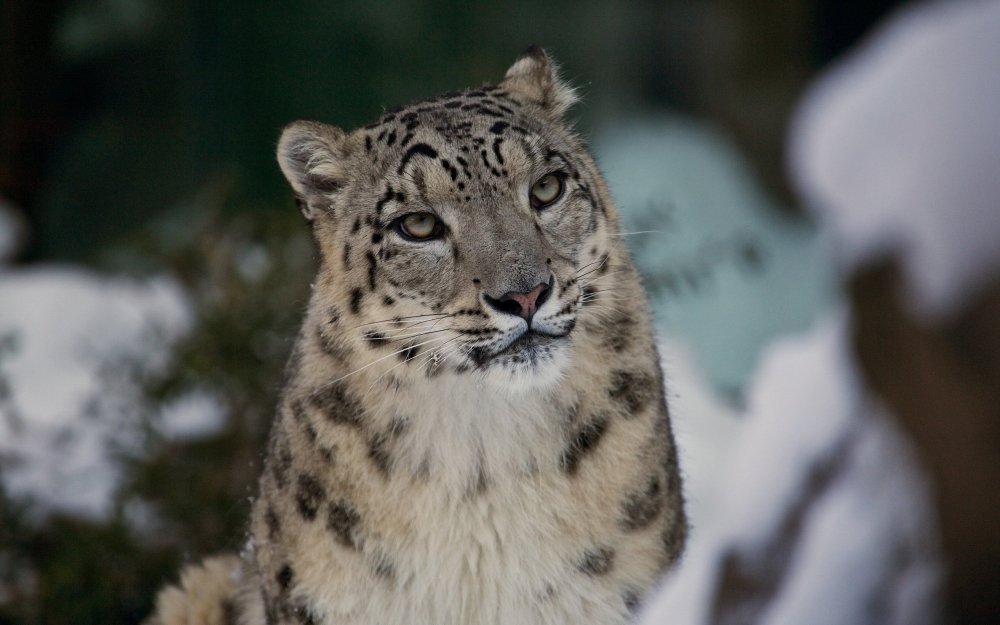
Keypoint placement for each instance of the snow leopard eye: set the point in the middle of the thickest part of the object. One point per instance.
(547, 190)
(419, 227)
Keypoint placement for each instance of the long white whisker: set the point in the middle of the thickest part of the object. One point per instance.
(628, 234)
(403, 335)
(378, 360)
(404, 320)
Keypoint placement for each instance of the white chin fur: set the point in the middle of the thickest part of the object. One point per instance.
(544, 371)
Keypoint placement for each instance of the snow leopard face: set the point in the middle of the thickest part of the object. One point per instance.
(462, 233)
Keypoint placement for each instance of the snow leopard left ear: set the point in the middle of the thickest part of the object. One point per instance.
(534, 77)
(312, 156)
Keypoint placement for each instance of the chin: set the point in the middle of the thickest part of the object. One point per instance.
(530, 366)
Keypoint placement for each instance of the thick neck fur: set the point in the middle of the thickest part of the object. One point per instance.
(462, 431)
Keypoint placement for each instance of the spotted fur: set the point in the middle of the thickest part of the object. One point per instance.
(433, 461)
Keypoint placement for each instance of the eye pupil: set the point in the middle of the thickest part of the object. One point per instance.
(546, 191)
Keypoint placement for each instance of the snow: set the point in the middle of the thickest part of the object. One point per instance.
(705, 428)
(820, 504)
(898, 149)
(192, 416)
(823, 514)
(69, 339)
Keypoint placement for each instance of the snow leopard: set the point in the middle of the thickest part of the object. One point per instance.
(473, 428)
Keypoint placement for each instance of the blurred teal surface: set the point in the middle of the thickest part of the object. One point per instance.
(727, 270)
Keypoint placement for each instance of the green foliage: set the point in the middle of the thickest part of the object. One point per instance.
(70, 571)
(247, 279)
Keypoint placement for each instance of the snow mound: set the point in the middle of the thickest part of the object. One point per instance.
(66, 339)
(898, 150)
(822, 515)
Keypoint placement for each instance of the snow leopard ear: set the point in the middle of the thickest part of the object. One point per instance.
(534, 76)
(312, 157)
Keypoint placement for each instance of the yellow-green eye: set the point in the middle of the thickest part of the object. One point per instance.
(419, 226)
(547, 190)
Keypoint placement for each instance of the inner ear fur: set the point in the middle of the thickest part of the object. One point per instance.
(312, 157)
(535, 78)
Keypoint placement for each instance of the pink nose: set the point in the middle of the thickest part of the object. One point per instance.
(521, 304)
(528, 301)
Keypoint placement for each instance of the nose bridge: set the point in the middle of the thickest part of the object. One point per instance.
(515, 258)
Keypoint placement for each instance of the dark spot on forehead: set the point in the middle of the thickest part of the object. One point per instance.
(417, 149)
(498, 127)
(346, 257)
(372, 269)
(356, 295)
(284, 577)
(496, 150)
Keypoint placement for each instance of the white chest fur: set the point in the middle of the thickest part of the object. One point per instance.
(479, 524)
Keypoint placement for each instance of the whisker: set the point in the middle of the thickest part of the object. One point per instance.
(403, 320)
(378, 360)
(613, 272)
(628, 234)
(590, 264)
(433, 356)
(400, 364)
(601, 262)
(401, 337)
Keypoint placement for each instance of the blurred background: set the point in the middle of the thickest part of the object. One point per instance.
(153, 267)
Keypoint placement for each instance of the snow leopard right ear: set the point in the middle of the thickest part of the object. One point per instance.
(535, 78)
(312, 157)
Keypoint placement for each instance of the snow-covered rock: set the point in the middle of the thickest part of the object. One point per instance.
(824, 515)
(821, 515)
(898, 150)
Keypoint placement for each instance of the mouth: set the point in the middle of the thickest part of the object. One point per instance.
(530, 344)
(531, 348)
